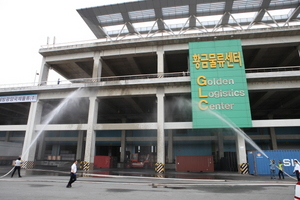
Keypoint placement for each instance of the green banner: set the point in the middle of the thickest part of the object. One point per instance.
(219, 85)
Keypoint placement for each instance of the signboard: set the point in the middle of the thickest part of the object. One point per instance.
(18, 98)
(218, 85)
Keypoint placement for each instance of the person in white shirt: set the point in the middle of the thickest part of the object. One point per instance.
(72, 174)
(18, 163)
(297, 169)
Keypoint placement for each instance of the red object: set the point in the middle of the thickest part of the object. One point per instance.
(194, 164)
(102, 162)
(134, 162)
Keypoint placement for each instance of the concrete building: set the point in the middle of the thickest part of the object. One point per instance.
(129, 91)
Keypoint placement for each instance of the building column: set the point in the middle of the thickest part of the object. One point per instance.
(273, 135)
(29, 145)
(91, 134)
(79, 145)
(41, 146)
(273, 138)
(170, 146)
(160, 61)
(43, 77)
(240, 150)
(220, 144)
(123, 144)
(7, 136)
(160, 94)
(97, 67)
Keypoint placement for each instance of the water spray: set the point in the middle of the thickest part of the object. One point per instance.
(245, 136)
(240, 132)
(50, 117)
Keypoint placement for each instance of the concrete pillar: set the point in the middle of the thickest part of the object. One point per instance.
(160, 94)
(97, 67)
(240, 150)
(273, 135)
(160, 61)
(123, 144)
(170, 146)
(42, 146)
(160, 109)
(273, 138)
(7, 136)
(43, 77)
(79, 145)
(129, 145)
(220, 144)
(29, 145)
(91, 134)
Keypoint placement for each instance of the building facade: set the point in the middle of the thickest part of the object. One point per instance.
(129, 91)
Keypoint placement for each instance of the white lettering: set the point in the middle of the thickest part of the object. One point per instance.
(220, 81)
(228, 93)
(221, 106)
(286, 162)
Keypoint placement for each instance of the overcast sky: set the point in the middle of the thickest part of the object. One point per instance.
(25, 26)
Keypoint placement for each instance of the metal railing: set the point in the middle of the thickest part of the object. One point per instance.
(95, 80)
(138, 77)
(144, 76)
(273, 69)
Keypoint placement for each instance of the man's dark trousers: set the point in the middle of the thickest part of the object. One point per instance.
(72, 179)
(16, 168)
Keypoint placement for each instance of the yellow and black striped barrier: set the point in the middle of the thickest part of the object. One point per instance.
(160, 168)
(244, 168)
(84, 165)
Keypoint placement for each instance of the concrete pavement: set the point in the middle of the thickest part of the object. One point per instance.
(140, 184)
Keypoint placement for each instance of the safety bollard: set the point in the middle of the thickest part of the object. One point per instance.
(297, 191)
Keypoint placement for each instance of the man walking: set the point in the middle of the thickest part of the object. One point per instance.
(18, 163)
(72, 174)
(297, 169)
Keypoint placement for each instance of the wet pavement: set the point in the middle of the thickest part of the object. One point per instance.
(139, 172)
(50, 183)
